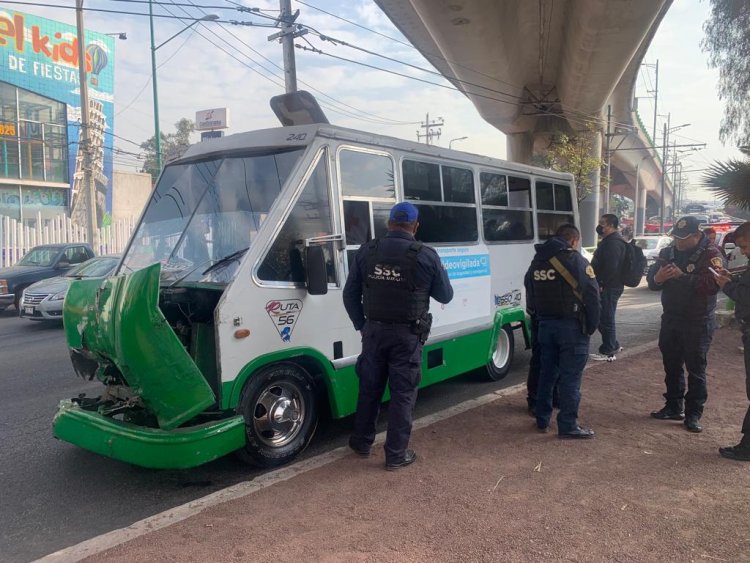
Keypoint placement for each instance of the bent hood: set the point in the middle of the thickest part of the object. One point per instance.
(116, 322)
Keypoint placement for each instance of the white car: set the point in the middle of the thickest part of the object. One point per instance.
(652, 245)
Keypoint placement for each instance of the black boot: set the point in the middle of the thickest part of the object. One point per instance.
(669, 412)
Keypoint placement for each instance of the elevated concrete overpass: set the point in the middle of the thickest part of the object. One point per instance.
(534, 68)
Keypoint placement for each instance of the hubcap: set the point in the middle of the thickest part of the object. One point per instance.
(278, 414)
(502, 350)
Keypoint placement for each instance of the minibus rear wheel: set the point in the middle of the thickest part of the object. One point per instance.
(502, 357)
(281, 414)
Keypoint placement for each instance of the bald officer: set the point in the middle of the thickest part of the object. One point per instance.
(562, 292)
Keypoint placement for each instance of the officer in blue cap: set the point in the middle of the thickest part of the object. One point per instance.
(387, 296)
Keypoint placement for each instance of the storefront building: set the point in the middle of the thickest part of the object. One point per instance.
(40, 115)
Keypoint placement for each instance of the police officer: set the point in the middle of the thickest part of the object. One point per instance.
(562, 291)
(739, 291)
(387, 297)
(688, 298)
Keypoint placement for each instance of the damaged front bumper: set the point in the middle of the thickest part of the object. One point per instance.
(154, 448)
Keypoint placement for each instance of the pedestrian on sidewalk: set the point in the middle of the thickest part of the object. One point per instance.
(688, 298)
(711, 234)
(562, 291)
(739, 291)
(608, 261)
(387, 296)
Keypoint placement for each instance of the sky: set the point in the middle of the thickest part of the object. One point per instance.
(221, 65)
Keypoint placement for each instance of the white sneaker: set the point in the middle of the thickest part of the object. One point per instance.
(603, 357)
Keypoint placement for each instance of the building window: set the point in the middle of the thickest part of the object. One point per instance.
(33, 136)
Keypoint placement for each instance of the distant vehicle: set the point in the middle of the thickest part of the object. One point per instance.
(694, 208)
(39, 263)
(653, 225)
(43, 300)
(651, 246)
(702, 218)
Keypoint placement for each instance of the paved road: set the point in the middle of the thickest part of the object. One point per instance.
(55, 495)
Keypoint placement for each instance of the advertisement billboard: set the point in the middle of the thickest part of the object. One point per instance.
(208, 119)
(41, 56)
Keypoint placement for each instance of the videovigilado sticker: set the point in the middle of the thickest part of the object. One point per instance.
(284, 314)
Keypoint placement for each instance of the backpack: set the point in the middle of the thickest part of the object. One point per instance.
(633, 264)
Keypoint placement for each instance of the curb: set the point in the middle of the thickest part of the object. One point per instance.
(98, 544)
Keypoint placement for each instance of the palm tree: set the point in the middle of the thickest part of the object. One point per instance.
(730, 181)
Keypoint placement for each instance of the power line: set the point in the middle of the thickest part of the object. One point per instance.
(326, 104)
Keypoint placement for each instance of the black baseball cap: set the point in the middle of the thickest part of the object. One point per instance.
(686, 226)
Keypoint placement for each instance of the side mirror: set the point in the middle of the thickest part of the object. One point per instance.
(316, 274)
(63, 264)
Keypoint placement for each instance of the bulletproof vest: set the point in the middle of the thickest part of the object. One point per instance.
(553, 296)
(390, 291)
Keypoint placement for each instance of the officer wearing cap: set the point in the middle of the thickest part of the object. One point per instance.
(387, 296)
(688, 301)
(562, 292)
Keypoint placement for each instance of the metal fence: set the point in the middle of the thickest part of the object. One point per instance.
(16, 238)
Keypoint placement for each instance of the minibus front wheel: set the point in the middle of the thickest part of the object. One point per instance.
(281, 414)
(502, 356)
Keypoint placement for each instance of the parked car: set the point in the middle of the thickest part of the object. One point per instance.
(43, 300)
(651, 246)
(653, 224)
(39, 263)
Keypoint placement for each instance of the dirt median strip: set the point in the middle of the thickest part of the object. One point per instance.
(487, 487)
(169, 517)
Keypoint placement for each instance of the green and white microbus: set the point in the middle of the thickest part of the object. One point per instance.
(224, 328)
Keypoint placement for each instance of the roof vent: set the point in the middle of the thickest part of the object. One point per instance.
(297, 108)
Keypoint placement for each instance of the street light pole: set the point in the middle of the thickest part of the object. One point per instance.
(157, 131)
(154, 47)
(450, 143)
(84, 144)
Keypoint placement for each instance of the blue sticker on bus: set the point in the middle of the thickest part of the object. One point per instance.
(468, 266)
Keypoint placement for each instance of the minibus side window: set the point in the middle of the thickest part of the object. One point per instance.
(310, 217)
(506, 208)
(444, 196)
(555, 205)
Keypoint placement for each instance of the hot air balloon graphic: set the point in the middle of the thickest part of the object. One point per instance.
(99, 60)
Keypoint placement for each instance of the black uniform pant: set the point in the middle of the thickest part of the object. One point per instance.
(685, 343)
(746, 345)
(532, 379)
(392, 354)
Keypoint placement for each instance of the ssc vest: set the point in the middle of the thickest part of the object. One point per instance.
(553, 296)
(390, 291)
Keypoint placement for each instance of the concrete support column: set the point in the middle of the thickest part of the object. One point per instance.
(588, 209)
(640, 213)
(520, 147)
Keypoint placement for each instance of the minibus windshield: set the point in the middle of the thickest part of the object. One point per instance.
(202, 212)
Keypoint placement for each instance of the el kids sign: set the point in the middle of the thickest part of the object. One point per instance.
(30, 50)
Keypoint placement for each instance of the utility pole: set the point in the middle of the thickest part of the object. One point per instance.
(663, 173)
(675, 188)
(429, 133)
(609, 159)
(155, 89)
(656, 97)
(84, 144)
(286, 36)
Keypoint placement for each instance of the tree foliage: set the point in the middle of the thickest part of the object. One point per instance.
(727, 42)
(730, 181)
(573, 154)
(173, 145)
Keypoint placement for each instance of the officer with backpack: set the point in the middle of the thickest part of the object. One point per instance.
(608, 263)
(688, 297)
(387, 296)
